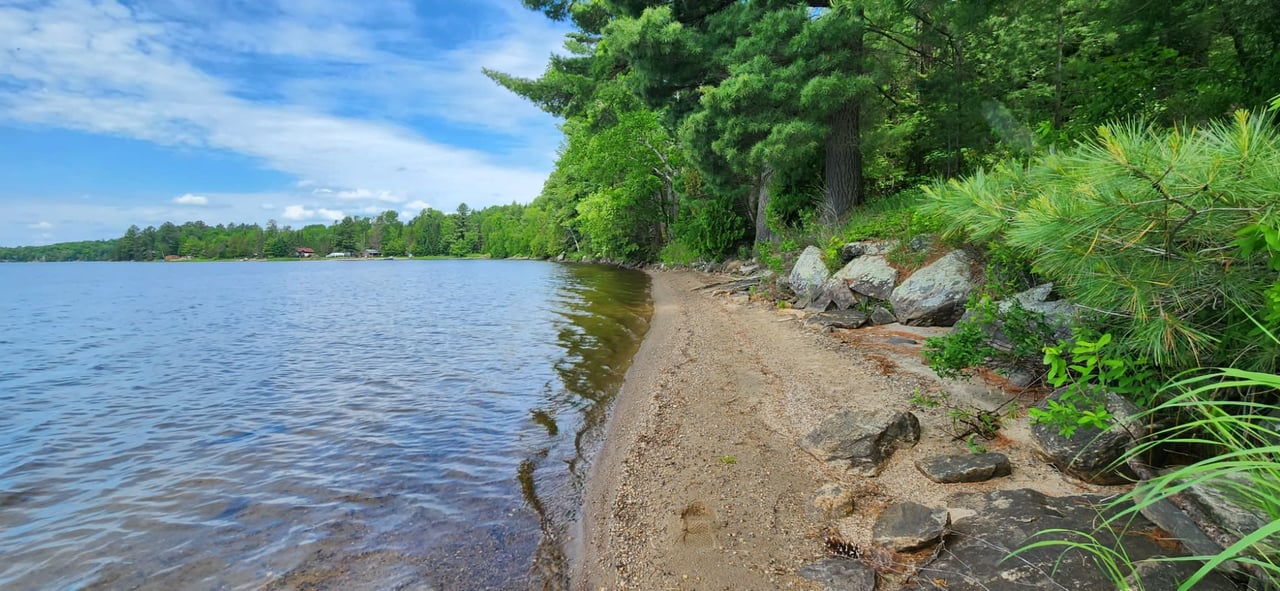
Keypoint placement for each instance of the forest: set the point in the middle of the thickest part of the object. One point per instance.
(696, 129)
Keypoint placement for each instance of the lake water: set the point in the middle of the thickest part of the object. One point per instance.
(319, 425)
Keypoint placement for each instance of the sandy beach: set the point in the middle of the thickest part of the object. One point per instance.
(700, 484)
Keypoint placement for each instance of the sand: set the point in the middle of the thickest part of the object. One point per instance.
(700, 484)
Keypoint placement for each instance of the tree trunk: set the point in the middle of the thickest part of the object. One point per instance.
(844, 163)
(844, 149)
(760, 198)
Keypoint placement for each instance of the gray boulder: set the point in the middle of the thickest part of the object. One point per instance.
(854, 250)
(808, 274)
(838, 319)
(882, 316)
(869, 275)
(840, 574)
(1090, 454)
(964, 467)
(906, 527)
(1002, 521)
(935, 295)
(861, 440)
(833, 292)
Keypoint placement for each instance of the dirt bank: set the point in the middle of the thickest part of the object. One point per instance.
(700, 484)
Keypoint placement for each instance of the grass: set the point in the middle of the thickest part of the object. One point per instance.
(1218, 410)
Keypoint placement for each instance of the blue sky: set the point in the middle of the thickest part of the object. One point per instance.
(119, 112)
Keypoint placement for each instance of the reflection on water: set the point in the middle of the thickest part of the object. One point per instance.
(326, 425)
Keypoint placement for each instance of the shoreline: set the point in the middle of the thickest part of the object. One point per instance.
(699, 483)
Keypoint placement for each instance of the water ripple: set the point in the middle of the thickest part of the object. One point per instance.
(334, 425)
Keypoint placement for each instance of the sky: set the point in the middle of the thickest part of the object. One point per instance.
(122, 112)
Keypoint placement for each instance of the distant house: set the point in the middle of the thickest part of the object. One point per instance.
(372, 252)
(306, 253)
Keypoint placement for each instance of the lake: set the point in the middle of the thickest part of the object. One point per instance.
(318, 424)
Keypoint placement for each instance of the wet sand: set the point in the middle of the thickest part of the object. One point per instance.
(700, 484)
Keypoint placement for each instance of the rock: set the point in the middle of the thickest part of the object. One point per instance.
(921, 243)
(964, 467)
(820, 303)
(862, 440)
(870, 276)
(839, 293)
(808, 274)
(854, 250)
(999, 522)
(935, 295)
(882, 316)
(840, 574)
(907, 527)
(1089, 454)
(838, 319)
(748, 268)
(1170, 518)
(832, 501)
(1218, 499)
(1171, 575)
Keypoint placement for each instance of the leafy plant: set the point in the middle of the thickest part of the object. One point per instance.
(1086, 368)
(969, 344)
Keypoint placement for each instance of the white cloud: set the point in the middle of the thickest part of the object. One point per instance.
(364, 195)
(299, 213)
(190, 199)
(40, 226)
(413, 208)
(103, 67)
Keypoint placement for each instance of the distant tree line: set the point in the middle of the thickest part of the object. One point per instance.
(500, 231)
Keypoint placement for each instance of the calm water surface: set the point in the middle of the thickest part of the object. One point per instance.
(322, 425)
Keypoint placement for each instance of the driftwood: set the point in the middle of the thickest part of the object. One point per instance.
(734, 285)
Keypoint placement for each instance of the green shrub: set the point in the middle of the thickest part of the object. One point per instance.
(968, 345)
(1149, 228)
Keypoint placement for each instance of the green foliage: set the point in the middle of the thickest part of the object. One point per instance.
(712, 228)
(968, 345)
(1086, 368)
(1141, 225)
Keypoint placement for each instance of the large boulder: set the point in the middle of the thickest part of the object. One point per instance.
(808, 274)
(935, 295)
(1090, 454)
(999, 522)
(869, 275)
(862, 440)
